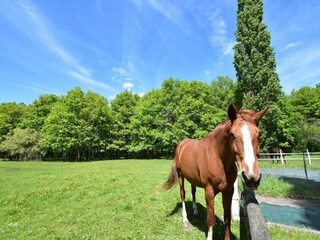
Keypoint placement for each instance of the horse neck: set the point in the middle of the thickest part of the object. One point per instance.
(221, 140)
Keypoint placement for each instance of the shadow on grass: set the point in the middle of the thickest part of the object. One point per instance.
(309, 191)
(303, 188)
(200, 222)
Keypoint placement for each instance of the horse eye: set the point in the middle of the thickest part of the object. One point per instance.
(232, 135)
(260, 134)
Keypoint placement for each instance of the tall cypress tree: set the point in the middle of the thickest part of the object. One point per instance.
(257, 80)
(258, 83)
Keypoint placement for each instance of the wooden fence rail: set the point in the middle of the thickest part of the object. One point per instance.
(309, 156)
(256, 226)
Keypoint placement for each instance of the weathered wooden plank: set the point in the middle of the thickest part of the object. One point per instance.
(256, 223)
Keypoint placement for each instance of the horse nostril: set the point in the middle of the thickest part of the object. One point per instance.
(250, 182)
(244, 177)
(258, 181)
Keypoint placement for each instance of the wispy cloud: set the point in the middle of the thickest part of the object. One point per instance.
(30, 20)
(42, 89)
(218, 37)
(206, 71)
(87, 80)
(128, 86)
(293, 45)
(298, 67)
(121, 72)
(229, 49)
(121, 75)
(168, 10)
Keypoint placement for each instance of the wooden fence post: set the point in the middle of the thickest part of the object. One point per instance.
(281, 157)
(257, 227)
(309, 158)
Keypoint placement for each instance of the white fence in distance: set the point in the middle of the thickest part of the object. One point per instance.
(303, 156)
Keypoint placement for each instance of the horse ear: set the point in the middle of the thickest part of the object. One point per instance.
(258, 115)
(232, 113)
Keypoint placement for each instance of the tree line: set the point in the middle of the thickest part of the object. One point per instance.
(84, 125)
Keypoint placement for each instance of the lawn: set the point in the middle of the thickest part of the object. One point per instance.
(296, 187)
(101, 200)
(94, 200)
(299, 188)
(290, 164)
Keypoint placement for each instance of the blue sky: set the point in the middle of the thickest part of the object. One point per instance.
(110, 45)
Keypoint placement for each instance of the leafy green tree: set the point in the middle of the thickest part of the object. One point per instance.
(287, 126)
(148, 136)
(38, 111)
(258, 83)
(223, 91)
(60, 131)
(198, 112)
(23, 144)
(96, 122)
(11, 115)
(309, 136)
(122, 109)
(77, 126)
(180, 109)
(305, 102)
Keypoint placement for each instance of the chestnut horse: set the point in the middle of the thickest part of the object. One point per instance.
(275, 155)
(210, 163)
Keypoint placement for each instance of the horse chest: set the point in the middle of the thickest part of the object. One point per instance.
(218, 182)
(215, 176)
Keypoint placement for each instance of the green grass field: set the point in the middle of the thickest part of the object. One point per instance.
(102, 200)
(275, 187)
(290, 164)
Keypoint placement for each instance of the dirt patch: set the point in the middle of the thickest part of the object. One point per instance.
(288, 201)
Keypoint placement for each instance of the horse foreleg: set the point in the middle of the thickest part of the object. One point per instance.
(226, 201)
(182, 195)
(194, 203)
(210, 211)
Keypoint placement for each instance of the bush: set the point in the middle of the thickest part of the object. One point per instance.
(23, 144)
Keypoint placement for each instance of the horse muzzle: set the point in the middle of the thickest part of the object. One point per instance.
(250, 181)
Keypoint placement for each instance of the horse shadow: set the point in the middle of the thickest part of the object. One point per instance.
(200, 222)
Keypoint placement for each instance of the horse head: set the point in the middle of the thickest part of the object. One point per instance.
(245, 143)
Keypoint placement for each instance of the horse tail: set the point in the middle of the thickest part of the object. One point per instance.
(172, 179)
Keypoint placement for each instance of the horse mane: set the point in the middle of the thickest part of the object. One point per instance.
(245, 114)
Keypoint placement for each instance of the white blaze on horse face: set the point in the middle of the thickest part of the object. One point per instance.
(248, 148)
